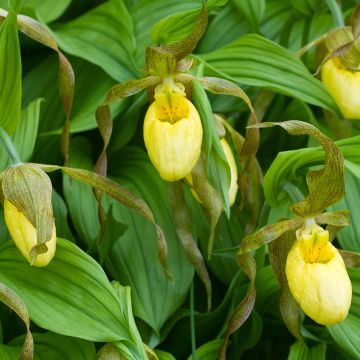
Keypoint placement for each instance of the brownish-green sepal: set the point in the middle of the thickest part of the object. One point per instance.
(351, 259)
(129, 88)
(163, 60)
(243, 310)
(326, 186)
(208, 196)
(345, 44)
(289, 308)
(253, 198)
(267, 234)
(14, 302)
(184, 230)
(159, 62)
(336, 218)
(119, 193)
(29, 189)
(10, 74)
(186, 46)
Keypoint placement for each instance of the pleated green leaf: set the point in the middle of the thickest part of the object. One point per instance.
(47, 10)
(349, 236)
(253, 11)
(133, 259)
(71, 296)
(155, 11)
(207, 351)
(25, 135)
(103, 36)
(163, 355)
(292, 165)
(90, 92)
(10, 74)
(299, 351)
(177, 26)
(257, 61)
(51, 346)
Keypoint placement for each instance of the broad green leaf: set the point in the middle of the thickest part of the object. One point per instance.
(71, 296)
(61, 216)
(257, 61)
(146, 13)
(51, 346)
(103, 36)
(177, 26)
(299, 351)
(225, 26)
(90, 92)
(133, 259)
(253, 11)
(10, 74)
(188, 41)
(349, 236)
(278, 15)
(80, 197)
(163, 355)
(346, 334)
(208, 351)
(25, 135)
(47, 10)
(137, 348)
(9, 352)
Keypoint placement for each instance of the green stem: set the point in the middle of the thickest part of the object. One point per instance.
(10, 148)
(293, 191)
(192, 323)
(336, 13)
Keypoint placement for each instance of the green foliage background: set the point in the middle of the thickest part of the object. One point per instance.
(73, 307)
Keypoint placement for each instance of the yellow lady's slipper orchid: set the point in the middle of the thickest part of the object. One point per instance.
(344, 86)
(25, 236)
(317, 276)
(172, 132)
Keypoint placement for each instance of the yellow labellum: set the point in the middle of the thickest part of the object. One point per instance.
(344, 86)
(25, 236)
(317, 276)
(172, 134)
